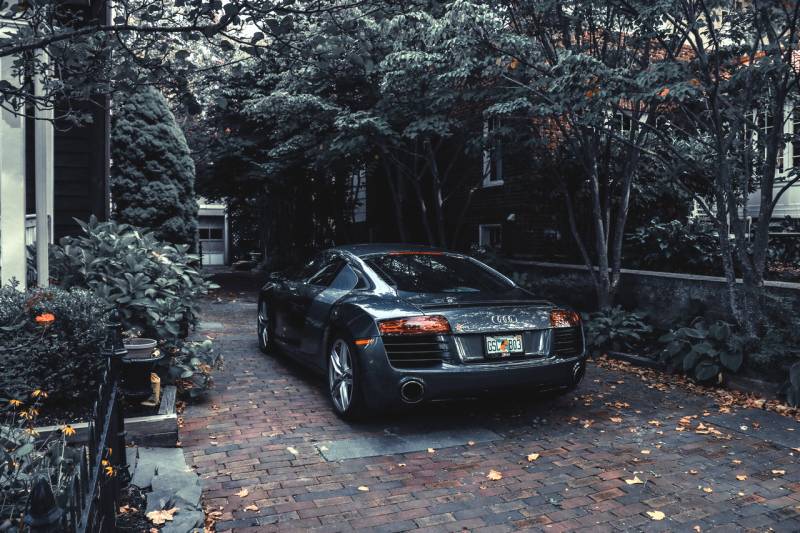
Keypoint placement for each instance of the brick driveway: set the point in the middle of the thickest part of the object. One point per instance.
(262, 426)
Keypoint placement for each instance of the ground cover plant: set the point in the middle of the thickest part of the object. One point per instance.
(616, 329)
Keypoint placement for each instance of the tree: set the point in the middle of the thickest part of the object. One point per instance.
(152, 178)
(582, 72)
(734, 88)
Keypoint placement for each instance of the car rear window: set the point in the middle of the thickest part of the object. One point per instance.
(426, 272)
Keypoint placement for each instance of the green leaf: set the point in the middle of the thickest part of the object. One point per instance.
(731, 360)
(706, 370)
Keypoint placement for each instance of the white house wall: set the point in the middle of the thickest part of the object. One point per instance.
(13, 263)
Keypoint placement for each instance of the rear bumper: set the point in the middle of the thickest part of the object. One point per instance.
(383, 382)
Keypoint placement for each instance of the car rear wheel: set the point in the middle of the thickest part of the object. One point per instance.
(265, 343)
(344, 387)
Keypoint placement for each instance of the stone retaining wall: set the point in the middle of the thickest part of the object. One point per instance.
(667, 298)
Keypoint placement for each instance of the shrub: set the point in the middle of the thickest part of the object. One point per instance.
(152, 178)
(50, 340)
(674, 247)
(792, 386)
(702, 351)
(155, 285)
(615, 329)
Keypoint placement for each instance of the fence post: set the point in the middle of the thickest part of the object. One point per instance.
(114, 350)
(43, 515)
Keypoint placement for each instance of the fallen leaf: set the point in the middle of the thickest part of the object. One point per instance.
(616, 419)
(292, 450)
(532, 457)
(697, 528)
(778, 472)
(656, 515)
(470, 443)
(655, 423)
(242, 493)
(401, 465)
(494, 475)
(708, 490)
(741, 477)
(645, 452)
(161, 517)
(634, 481)
(736, 462)
(251, 507)
(363, 488)
(431, 450)
(693, 471)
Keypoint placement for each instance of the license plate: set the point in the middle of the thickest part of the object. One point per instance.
(503, 345)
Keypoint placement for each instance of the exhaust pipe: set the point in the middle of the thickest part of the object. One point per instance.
(577, 373)
(412, 390)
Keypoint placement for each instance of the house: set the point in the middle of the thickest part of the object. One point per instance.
(213, 233)
(50, 173)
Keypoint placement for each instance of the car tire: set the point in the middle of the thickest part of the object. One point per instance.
(344, 379)
(265, 329)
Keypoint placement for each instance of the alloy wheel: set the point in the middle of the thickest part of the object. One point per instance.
(340, 375)
(263, 330)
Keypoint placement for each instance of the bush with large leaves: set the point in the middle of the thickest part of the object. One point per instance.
(702, 351)
(155, 285)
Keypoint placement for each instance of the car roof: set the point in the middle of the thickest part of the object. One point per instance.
(363, 250)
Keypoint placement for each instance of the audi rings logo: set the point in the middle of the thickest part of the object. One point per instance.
(503, 319)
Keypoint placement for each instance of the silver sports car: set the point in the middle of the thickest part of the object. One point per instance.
(396, 324)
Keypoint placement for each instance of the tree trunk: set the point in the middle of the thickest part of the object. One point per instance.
(396, 200)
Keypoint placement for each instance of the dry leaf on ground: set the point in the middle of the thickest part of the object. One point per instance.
(778, 472)
(634, 481)
(741, 477)
(656, 515)
(251, 507)
(363, 488)
(242, 493)
(161, 517)
(494, 475)
(532, 457)
(292, 450)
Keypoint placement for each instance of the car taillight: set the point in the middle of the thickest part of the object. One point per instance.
(414, 325)
(561, 318)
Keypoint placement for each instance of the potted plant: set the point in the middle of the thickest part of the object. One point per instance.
(138, 364)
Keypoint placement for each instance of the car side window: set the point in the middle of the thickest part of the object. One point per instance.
(326, 274)
(346, 280)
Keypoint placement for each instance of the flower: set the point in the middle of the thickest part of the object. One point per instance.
(45, 318)
(39, 393)
(68, 430)
(15, 403)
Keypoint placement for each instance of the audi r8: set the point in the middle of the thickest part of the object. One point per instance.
(391, 325)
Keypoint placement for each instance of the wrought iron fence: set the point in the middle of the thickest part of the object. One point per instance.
(94, 490)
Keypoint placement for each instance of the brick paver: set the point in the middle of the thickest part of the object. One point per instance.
(258, 429)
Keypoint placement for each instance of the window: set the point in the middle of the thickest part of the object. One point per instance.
(795, 145)
(490, 235)
(493, 154)
(210, 233)
(326, 274)
(765, 122)
(436, 272)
